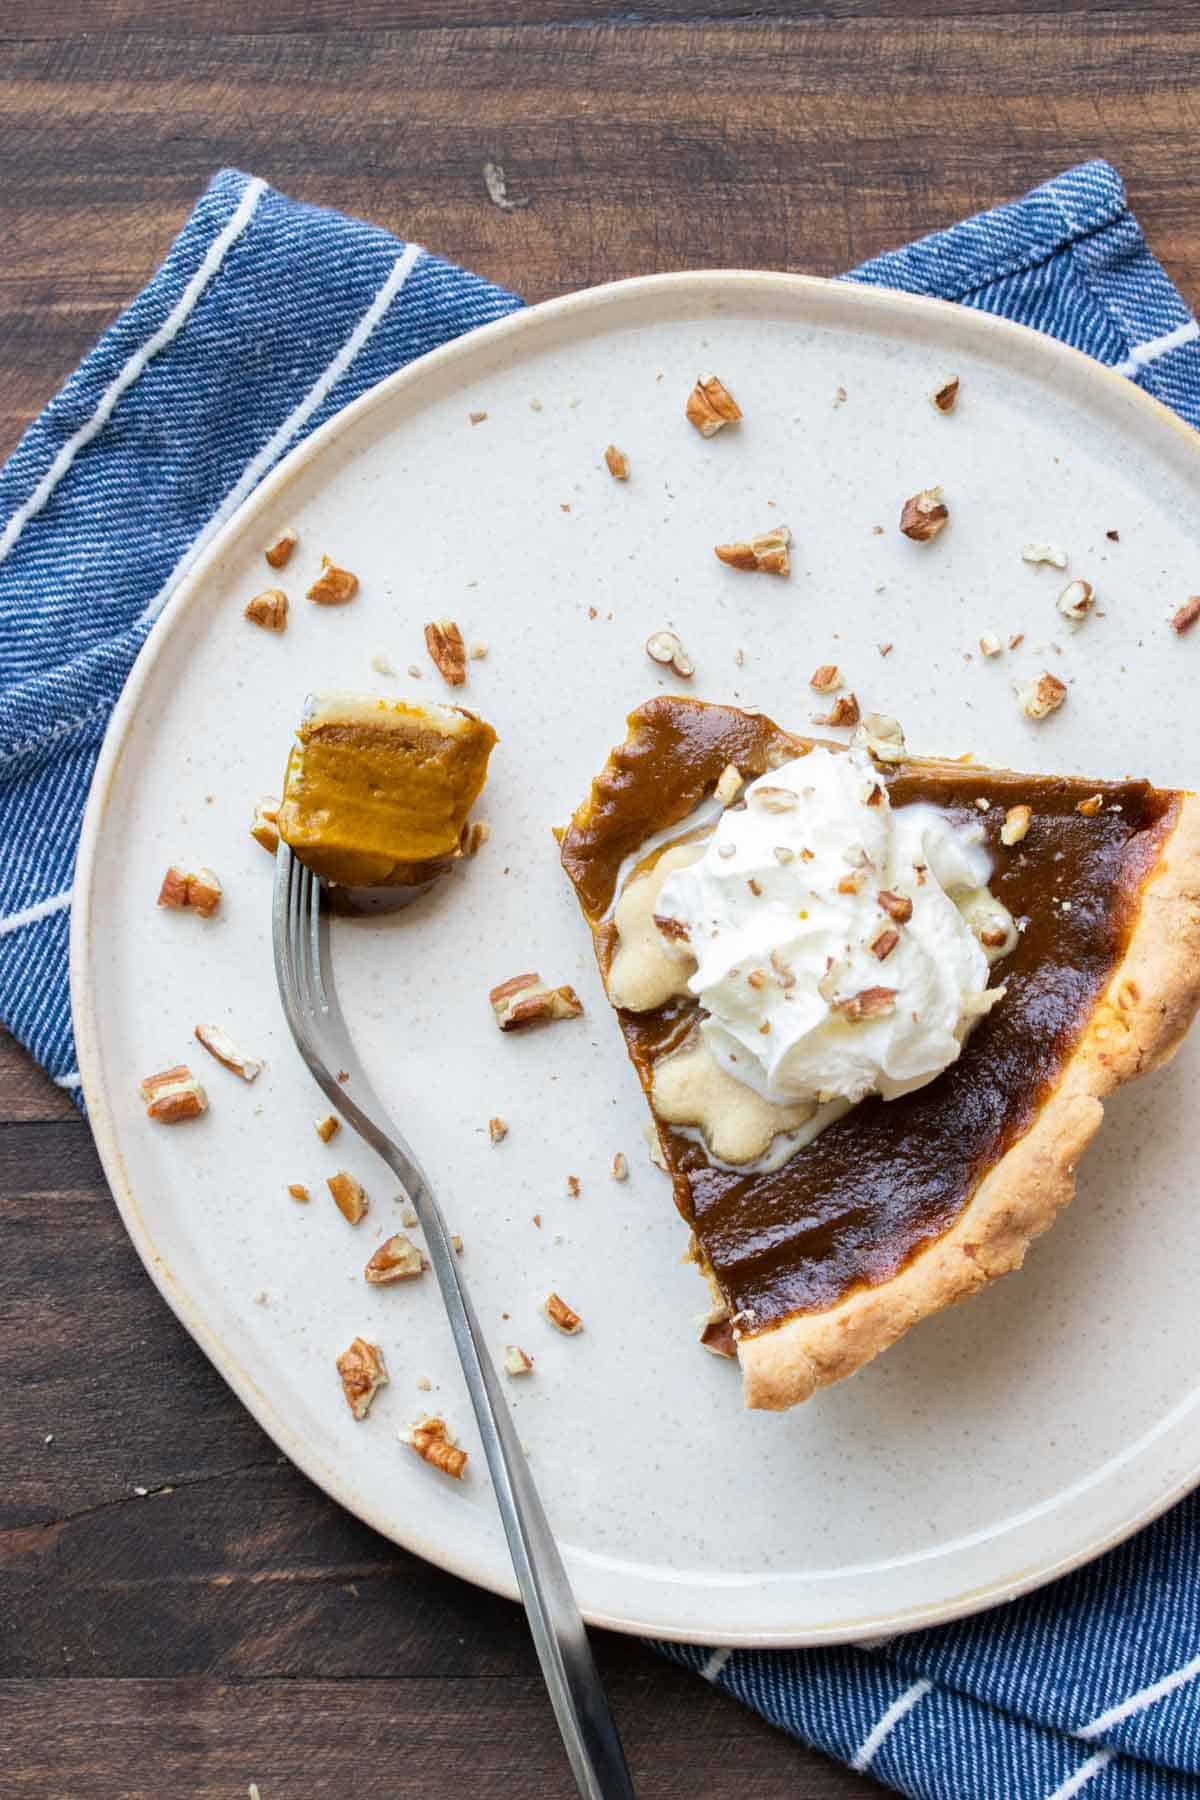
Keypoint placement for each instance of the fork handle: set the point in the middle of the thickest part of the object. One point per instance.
(580, 1706)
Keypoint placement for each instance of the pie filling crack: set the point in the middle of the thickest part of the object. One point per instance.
(868, 1214)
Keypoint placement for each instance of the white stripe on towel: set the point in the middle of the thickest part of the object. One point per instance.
(1135, 1703)
(1082, 1775)
(128, 374)
(716, 1662)
(73, 1080)
(291, 427)
(887, 1723)
(1141, 354)
(33, 915)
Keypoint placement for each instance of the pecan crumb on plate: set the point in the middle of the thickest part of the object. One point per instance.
(710, 406)
(218, 1043)
(349, 1196)
(766, 554)
(924, 515)
(434, 1444)
(444, 642)
(268, 609)
(1038, 698)
(198, 889)
(279, 554)
(525, 1000)
(397, 1259)
(363, 1373)
(173, 1095)
(264, 826)
(561, 1315)
(333, 586)
(664, 647)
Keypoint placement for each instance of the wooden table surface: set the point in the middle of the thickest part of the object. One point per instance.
(233, 1625)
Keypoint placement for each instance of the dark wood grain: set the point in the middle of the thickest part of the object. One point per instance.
(232, 1624)
(203, 1738)
(638, 148)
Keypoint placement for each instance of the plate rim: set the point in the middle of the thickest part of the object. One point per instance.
(523, 323)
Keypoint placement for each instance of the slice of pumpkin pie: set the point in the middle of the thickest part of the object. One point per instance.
(875, 1002)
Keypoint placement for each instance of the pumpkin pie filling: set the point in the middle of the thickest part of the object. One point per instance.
(884, 1180)
(377, 792)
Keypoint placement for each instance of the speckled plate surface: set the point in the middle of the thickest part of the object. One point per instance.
(996, 1445)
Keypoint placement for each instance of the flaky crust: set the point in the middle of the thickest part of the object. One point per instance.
(1137, 1025)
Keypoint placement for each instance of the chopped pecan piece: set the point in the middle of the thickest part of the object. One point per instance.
(298, 1191)
(665, 647)
(1037, 699)
(333, 586)
(561, 1315)
(620, 1166)
(989, 644)
(525, 1000)
(844, 711)
(1186, 616)
(497, 1130)
(766, 554)
(362, 1370)
(710, 406)
(1076, 601)
(328, 1127)
(826, 678)
(397, 1259)
(200, 889)
(618, 463)
(433, 1443)
(264, 826)
(871, 1003)
(1044, 553)
(944, 397)
(882, 736)
(444, 642)
(1090, 807)
(172, 1095)
(516, 1362)
(774, 799)
(477, 418)
(573, 1187)
(896, 906)
(1016, 823)
(729, 784)
(279, 554)
(219, 1044)
(884, 942)
(268, 609)
(349, 1196)
(924, 515)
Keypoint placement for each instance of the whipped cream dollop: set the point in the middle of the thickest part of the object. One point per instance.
(842, 945)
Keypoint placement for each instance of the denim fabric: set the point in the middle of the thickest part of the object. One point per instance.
(265, 319)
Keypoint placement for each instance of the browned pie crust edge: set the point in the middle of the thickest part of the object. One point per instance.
(1137, 1025)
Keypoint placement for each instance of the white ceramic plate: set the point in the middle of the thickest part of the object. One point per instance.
(996, 1445)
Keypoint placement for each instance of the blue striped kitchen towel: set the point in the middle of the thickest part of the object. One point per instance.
(265, 319)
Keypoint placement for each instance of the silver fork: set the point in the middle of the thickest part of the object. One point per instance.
(300, 930)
